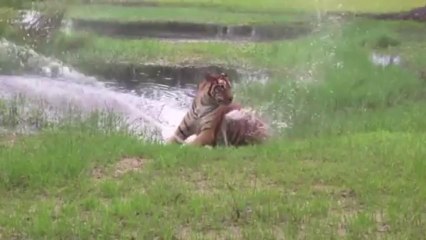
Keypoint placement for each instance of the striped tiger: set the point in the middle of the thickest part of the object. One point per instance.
(215, 119)
(214, 96)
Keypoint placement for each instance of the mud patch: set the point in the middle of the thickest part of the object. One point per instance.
(199, 182)
(8, 140)
(185, 30)
(120, 168)
(382, 225)
(230, 232)
(346, 209)
(324, 188)
(126, 165)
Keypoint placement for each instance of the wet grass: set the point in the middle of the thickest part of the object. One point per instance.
(181, 14)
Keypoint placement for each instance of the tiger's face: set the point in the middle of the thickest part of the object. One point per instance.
(219, 88)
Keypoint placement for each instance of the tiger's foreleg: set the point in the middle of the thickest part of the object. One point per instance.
(205, 138)
(174, 139)
(183, 131)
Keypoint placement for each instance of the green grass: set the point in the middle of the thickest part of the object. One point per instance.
(291, 55)
(365, 185)
(308, 5)
(286, 5)
(84, 48)
(104, 49)
(198, 15)
(350, 166)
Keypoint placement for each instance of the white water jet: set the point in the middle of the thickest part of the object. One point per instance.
(139, 112)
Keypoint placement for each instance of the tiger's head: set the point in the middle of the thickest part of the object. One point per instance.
(217, 87)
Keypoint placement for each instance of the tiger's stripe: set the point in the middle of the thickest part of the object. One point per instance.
(213, 93)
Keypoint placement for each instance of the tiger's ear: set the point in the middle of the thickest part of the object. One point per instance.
(224, 75)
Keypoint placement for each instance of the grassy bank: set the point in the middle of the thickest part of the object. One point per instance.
(73, 184)
(285, 5)
(312, 5)
(182, 14)
(362, 35)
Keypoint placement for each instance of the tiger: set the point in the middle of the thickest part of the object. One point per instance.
(208, 117)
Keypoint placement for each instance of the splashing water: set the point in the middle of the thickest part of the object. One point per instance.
(148, 109)
(141, 113)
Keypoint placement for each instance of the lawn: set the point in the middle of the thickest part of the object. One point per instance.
(182, 14)
(310, 5)
(76, 183)
(286, 5)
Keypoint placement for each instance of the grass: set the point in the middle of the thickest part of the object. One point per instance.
(308, 5)
(286, 5)
(349, 186)
(85, 47)
(350, 166)
(182, 14)
(297, 54)
(104, 49)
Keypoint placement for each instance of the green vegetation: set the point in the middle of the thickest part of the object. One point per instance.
(6, 14)
(124, 14)
(16, 3)
(298, 55)
(308, 5)
(66, 184)
(31, 36)
(351, 164)
(286, 5)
